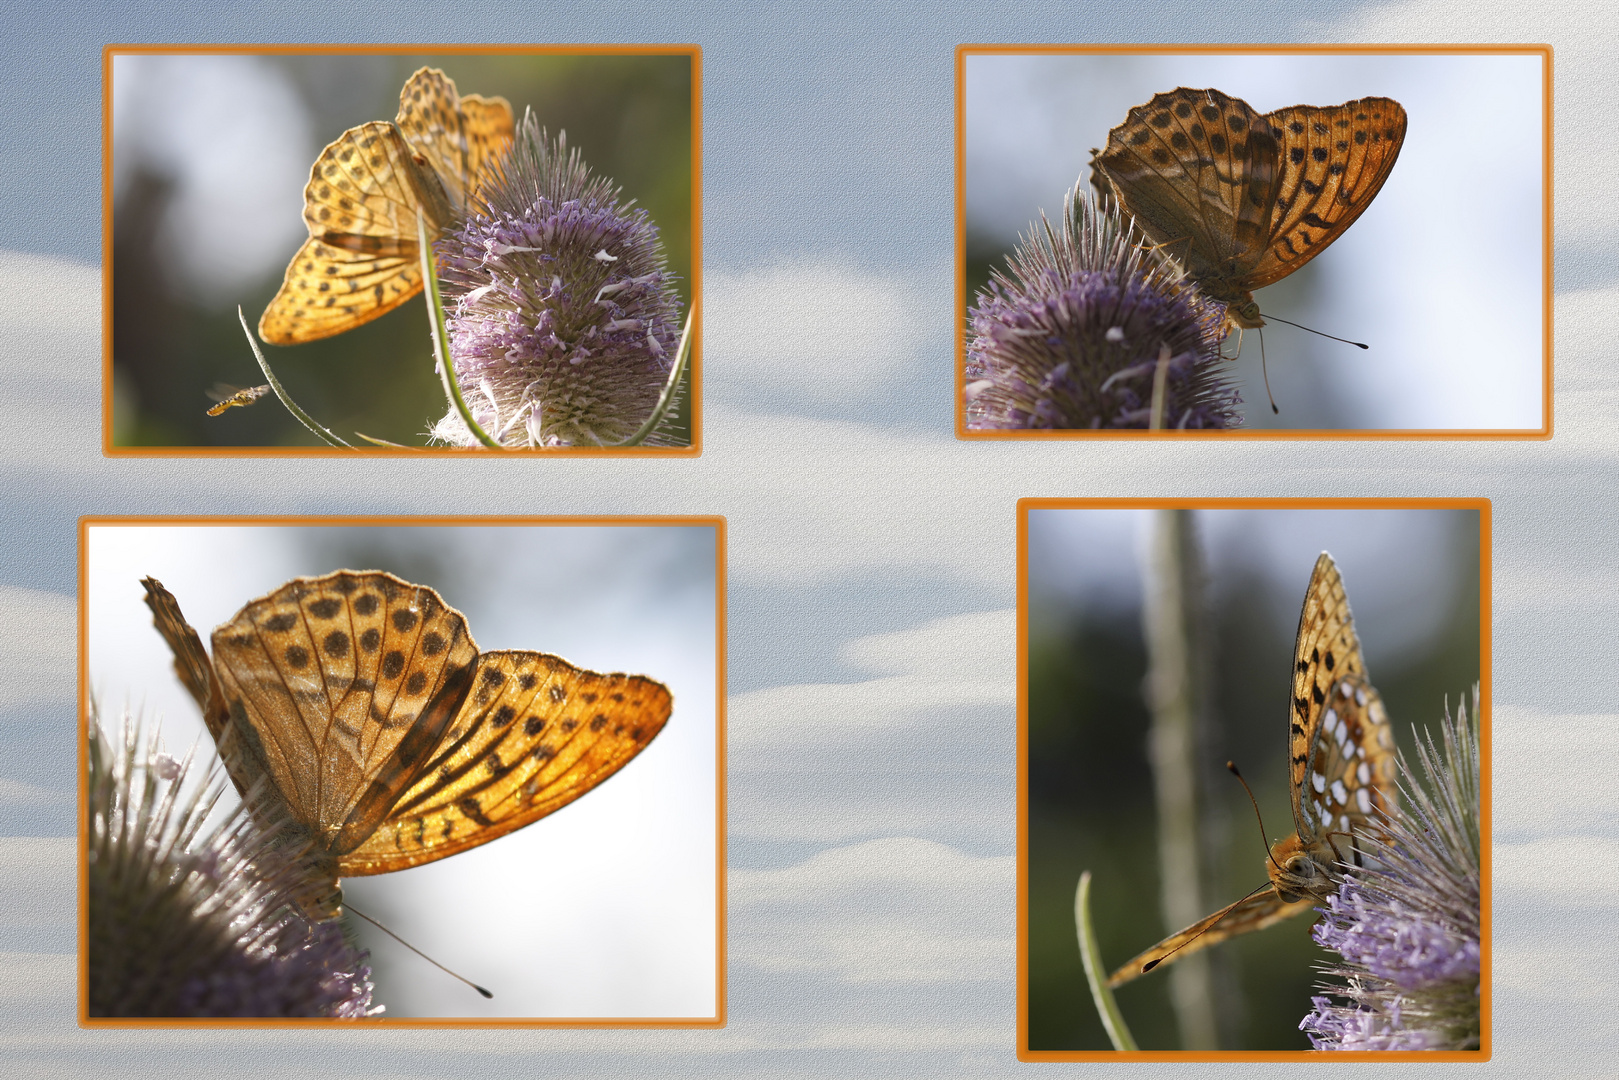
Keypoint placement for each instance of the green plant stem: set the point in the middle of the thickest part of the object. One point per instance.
(1095, 973)
(666, 399)
(275, 384)
(441, 338)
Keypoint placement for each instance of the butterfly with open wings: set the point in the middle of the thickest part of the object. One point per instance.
(1241, 198)
(363, 703)
(1340, 772)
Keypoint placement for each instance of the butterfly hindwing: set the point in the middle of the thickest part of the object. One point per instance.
(345, 683)
(534, 734)
(361, 203)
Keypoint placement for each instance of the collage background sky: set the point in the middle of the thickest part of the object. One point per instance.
(871, 572)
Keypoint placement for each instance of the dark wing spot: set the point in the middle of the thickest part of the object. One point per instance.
(370, 640)
(1217, 143)
(367, 604)
(1159, 120)
(1360, 138)
(336, 644)
(432, 643)
(533, 726)
(281, 623)
(1160, 156)
(393, 664)
(326, 607)
(569, 724)
(1179, 141)
(588, 699)
(1319, 153)
(1317, 695)
(598, 722)
(504, 715)
(1311, 187)
(297, 657)
(1210, 113)
(404, 619)
(416, 683)
(1331, 660)
(1140, 137)
(526, 680)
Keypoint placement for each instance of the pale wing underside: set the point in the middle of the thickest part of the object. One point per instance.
(344, 685)
(459, 136)
(1256, 912)
(534, 734)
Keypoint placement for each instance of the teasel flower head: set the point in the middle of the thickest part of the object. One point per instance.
(183, 923)
(563, 317)
(1408, 927)
(1073, 334)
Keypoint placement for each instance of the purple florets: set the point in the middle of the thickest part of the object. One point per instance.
(1072, 336)
(565, 321)
(1408, 929)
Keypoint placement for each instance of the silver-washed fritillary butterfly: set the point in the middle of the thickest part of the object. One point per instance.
(362, 701)
(1244, 199)
(1340, 769)
(361, 258)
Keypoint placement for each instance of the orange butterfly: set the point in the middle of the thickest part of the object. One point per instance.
(1340, 770)
(363, 703)
(1244, 199)
(361, 259)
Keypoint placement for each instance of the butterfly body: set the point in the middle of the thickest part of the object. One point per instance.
(1340, 773)
(362, 258)
(391, 741)
(1241, 198)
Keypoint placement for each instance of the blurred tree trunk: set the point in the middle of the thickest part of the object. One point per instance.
(1172, 587)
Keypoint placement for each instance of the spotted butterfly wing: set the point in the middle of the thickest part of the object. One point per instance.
(1340, 743)
(1241, 198)
(1340, 773)
(363, 700)
(361, 259)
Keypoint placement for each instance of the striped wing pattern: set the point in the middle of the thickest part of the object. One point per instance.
(390, 739)
(362, 259)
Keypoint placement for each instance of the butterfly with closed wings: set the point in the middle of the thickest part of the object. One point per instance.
(1241, 198)
(1340, 772)
(362, 259)
(363, 703)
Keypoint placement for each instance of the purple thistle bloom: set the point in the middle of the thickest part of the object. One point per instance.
(565, 322)
(182, 925)
(1408, 929)
(1071, 336)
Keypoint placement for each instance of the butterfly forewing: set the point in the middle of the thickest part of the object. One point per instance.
(361, 205)
(1334, 162)
(534, 734)
(1264, 908)
(1244, 199)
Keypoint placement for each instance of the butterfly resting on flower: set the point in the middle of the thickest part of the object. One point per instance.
(362, 703)
(1340, 772)
(1240, 198)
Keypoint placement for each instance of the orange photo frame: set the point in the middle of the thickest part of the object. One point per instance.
(201, 213)
(1085, 788)
(646, 850)
(1027, 117)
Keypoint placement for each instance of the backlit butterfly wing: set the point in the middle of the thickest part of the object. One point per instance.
(1334, 162)
(534, 734)
(1340, 742)
(361, 259)
(362, 700)
(1264, 908)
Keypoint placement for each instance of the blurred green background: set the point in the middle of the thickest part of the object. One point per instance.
(210, 156)
(1412, 578)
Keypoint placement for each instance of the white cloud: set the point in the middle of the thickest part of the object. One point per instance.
(897, 909)
(957, 661)
(818, 332)
(38, 646)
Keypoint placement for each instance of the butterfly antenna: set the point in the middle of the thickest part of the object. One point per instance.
(1233, 767)
(1265, 373)
(1150, 964)
(417, 951)
(1318, 333)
